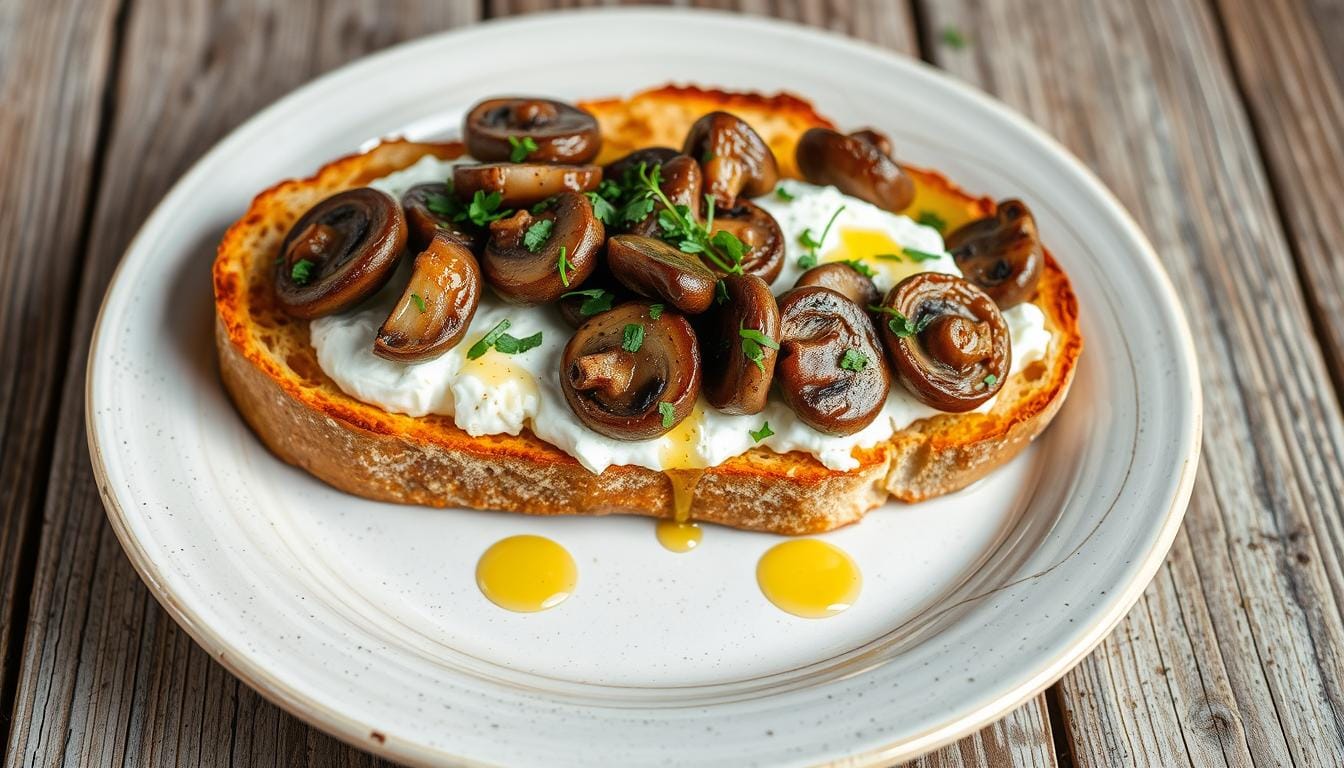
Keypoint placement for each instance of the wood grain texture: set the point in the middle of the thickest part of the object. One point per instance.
(108, 679)
(1232, 655)
(50, 140)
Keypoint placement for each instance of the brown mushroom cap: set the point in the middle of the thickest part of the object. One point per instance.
(655, 269)
(855, 167)
(437, 305)
(875, 137)
(680, 179)
(563, 133)
(348, 244)
(949, 342)
(523, 184)
(418, 204)
(759, 231)
(647, 157)
(736, 160)
(844, 280)
(632, 393)
(819, 330)
(738, 367)
(532, 274)
(1001, 253)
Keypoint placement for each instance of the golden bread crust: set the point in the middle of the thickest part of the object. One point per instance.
(271, 372)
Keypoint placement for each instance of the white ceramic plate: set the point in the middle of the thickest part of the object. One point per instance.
(364, 619)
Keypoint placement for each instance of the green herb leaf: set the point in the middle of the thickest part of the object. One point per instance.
(807, 260)
(721, 249)
(668, 412)
(602, 209)
(484, 208)
(655, 311)
(632, 338)
(752, 341)
(537, 235)
(511, 345)
(931, 219)
(901, 325)
(564, 265)
(783, 194)
(991, 380)
(721, 292)
(595, 301)
(419, 302)
(860, 267)
(918, 255)
(542, 206)
(889, 256)
(757, 435)
(854, 360)
(302, 271)
(706, 157)
(953, 37)
(488, 340)
(520, 148)
(445, 206)
(806, 240)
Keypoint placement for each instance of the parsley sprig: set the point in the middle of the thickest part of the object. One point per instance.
(757, 435)
(901, 325)
(564, 265)
(632, 337)
(501, 341)
(537, 234)
(595, 301)
(911, 254)
(520, 148)
(853, 360)
(668, 412)
(752, 343)
(301, 272)
(482, 209)
(809, 259)
(682, 230)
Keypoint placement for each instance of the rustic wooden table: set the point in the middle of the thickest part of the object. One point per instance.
(1219, 123)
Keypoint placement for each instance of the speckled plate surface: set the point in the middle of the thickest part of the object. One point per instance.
(364, 619)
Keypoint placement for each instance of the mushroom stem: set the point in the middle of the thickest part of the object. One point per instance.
(607, 372)
(957, 341)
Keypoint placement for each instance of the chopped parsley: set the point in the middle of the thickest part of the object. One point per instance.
(537, 234)
(482, 209)
(752, 343)
(622, 201)
(854, 360)
(757, 435)
(602, 208)
(668, 412)
(953, 38)
(419, 302)
(931, 219)
(595, 301)
(680, 228)
(916, 255)
(783, 194)
(991, 380)
(542, 206)
(520, 148)
(901, 325)
(809, 259)
(859, 266)
(500, 340)
(563, 264)
(632, 338)
(655, 311)
(302, 271)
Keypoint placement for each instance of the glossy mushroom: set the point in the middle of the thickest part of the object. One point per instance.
(739, 341)
(660, 271)
(340, 252)
(680, 179)
(522, 185)
(423, 205)
(830, 369)
(535, 258)
(437, 305)
(759, 231)
(735, 159)
(561, 132)
(878, 139)
(630, 391)
(947, 339)
(647, 157)
(1001, 253)
(854, 166)
(844, 280)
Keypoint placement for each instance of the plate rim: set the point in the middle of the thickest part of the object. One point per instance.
(364, 736)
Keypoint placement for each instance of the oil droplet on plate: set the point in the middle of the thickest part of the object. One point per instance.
(809, 578)
(678, 537)
(526, 573)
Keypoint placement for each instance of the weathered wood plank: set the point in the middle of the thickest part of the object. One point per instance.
(108, 679)
(52, 104)
(1245, 617)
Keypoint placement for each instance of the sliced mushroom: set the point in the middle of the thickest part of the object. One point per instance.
(759, 231)
(947, 339)
(830, 369)
(854, 166)
(739, 341)
(878, 139)
(681, 181)
(1001, 253)
(437, 305)
(844, 279)
(523, 184)
(562, 133)
(647, 157)
(340, 252)
(655, 269)
(735, 158)
(534, 258)
(423, 222)
(627, 390)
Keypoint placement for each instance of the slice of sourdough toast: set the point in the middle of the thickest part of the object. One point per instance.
(270, 369)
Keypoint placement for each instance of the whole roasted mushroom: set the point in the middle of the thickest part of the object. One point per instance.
(630, 376)
(739, 341)
(424, 207)
(844, 279)
(340, 252)
(830, 369)
(532, 129)
(437, 305)
(1001, 253)
(655, 269)
(854, 166)
(759, 231)
(681, 181)
(521, 185)
(947, 339)
(535, 258)
(735, 159)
